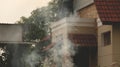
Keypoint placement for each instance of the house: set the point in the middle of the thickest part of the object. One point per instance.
(107, 15)
(81, 30)
(109, 33)
(105, 32)
(82, 33)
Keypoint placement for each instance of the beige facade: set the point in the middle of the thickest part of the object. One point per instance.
(104, 52)
(59, 31)
(108, 35)
(89, 12)
(66, 26)
(109, 55)
(116, 44)
(82, 26)
(85, 8)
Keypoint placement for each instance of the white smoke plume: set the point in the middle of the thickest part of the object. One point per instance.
(25, 56)
(32, 59)
(62, 54)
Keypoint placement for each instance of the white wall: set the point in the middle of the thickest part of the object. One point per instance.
(79, 4)
(10, 32)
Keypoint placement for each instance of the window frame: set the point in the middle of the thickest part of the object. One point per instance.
(106, 38)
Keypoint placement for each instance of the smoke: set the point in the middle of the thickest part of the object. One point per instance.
(28, 55)
(32, 59)
(61, 54)
(65, 8)
(17, 55)
(25, 56)
(68, 4)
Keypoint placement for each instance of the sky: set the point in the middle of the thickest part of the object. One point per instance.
(12, 10)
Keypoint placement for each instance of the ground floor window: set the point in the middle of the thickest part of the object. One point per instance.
(106, 38)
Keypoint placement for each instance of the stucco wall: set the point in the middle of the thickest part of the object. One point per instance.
(109, 56)
(104, 52)
(116, 43)
(59, 32)
(82, 30)
(10, 32)
(82, 26)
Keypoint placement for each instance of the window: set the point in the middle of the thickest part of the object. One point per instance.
(106, 38)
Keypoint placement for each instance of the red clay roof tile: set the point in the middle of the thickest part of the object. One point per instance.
(108, 10)
(83, 39)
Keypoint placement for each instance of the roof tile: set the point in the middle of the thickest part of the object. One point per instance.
(83, 39)
(108, 10)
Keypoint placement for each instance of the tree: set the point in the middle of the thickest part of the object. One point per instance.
(35, 26)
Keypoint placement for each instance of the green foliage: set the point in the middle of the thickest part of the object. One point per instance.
(35, 26)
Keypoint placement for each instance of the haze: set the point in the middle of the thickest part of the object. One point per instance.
(12, 10)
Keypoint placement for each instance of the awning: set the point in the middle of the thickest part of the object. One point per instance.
(83, 39)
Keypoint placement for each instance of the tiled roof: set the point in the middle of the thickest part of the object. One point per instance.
(108, 10)
(83, 39)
